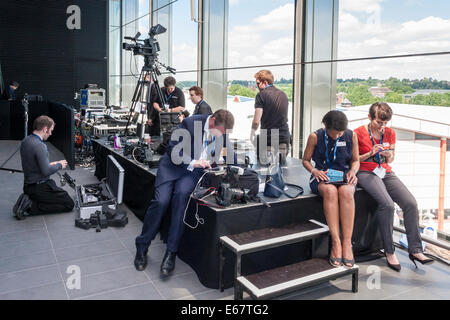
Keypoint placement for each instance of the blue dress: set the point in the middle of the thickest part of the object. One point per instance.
(343, 155)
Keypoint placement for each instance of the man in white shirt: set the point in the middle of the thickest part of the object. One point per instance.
(178, 173)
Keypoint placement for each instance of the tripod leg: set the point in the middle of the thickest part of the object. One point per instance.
(137, 93)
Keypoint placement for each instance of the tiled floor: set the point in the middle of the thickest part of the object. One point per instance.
(38, 254)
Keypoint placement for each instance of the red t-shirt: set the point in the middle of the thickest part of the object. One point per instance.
(365, 145)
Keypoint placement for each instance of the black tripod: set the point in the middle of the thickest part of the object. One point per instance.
(25, 106)
(142, 92)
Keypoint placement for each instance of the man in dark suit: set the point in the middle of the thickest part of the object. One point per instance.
(9, 92)
(178, 173)
(196, 96)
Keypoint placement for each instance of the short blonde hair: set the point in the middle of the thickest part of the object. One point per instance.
(264, 75)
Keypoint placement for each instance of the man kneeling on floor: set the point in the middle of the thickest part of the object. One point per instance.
(175, 181)
(41, 195)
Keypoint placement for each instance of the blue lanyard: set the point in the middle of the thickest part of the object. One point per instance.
(373, 143)
(326, 150)
(168, 97)
(200, 102)
(270, 85)
(37, 137)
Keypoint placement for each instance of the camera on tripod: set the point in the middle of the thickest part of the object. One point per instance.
(148, 48)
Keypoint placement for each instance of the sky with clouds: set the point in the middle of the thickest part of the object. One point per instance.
(262, 32)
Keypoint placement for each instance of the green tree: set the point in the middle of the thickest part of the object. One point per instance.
(360, 95)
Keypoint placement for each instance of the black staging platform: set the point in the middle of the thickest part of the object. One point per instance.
(200, 247)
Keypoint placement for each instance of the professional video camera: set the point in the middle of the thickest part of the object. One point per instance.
(148, 48)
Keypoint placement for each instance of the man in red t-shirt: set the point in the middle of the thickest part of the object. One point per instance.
(376, 150)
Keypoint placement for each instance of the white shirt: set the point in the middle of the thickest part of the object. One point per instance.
(204, 155)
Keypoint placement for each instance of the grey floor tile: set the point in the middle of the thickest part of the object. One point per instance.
(96, 248)
(30, 223)
(65, 230)
(212, 294)
(130, 230)
(54, 291)
(112, 280)
(18, 263)
(24, 247)
(29, 278)
(36, 234)
(176, 287)
(441, 289)
(141, 292)
(82, 237)
(58, 219)
(98, 264)
(416, 294)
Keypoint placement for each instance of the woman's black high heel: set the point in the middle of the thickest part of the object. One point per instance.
(395, 267)
(425, 261)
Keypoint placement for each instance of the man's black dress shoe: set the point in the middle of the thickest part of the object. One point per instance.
(22, 205)
(140, 261)
(168, 263)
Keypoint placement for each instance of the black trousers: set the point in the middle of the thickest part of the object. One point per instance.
(48, 198)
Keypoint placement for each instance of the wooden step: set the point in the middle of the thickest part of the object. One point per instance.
(267, 238)
(278, 281)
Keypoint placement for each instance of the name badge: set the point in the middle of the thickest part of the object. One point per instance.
(386, 144)
(335, 175)
(380, 172)
(341, 144)
(166, 106)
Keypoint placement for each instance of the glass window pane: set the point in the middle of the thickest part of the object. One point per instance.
(114, 91)
(260, 32)
(392, 27)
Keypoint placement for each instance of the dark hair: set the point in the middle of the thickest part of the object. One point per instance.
(198, 91)
(224, 118)
(336, 120)
(382, 109)
(14, 84)
(169, 81)
(42, 122)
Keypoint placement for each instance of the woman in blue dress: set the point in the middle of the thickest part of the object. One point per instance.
(334, 150)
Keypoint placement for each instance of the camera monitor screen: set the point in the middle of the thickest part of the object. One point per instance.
(115, 177)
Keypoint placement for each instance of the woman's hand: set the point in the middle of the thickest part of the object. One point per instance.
(376, 148)
(387, 154)
(320, 175)
(351, 177)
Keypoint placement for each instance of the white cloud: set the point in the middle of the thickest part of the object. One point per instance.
(368, 6)
(267, 39)
(358, 39)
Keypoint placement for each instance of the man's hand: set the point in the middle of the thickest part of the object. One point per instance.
(253, 137)
(149, 122)
(63, 163)
(204, 164)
